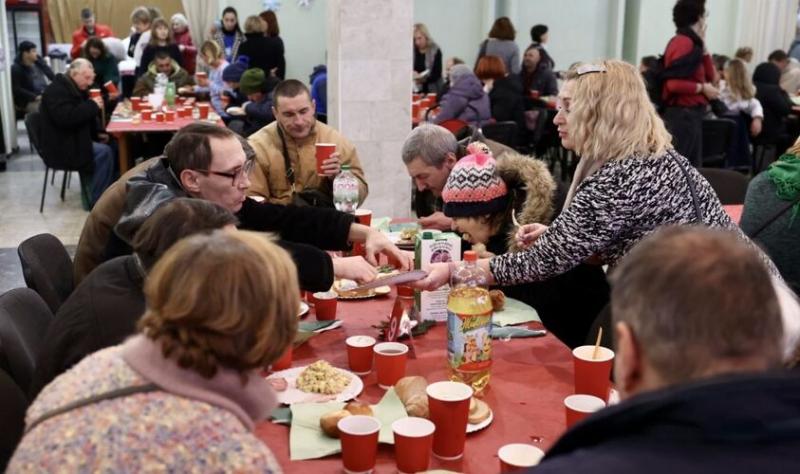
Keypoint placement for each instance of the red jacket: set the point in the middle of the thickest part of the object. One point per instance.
(80, 35)
(189, 52)
(683, 92)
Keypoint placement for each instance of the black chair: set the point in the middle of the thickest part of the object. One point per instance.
(502, 132)
(47, 269)
(717, 136)
(33, 125)
(13, 405)
(24, 318)
(730, 186)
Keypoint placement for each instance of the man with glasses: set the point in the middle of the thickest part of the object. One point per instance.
(208, 162)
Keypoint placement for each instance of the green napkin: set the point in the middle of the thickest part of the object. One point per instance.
(281, 415)
(314, 326)
(307, 441)
(512, 332)
(515, 312)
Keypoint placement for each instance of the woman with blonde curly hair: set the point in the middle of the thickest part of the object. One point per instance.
(184, 394)
(629, 182)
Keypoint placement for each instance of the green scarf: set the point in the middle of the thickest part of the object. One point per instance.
(785, 174)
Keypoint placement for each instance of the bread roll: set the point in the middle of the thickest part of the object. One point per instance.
(498, 299)
(478, 411)
(411, 391)
(358, 408)
(329, 421)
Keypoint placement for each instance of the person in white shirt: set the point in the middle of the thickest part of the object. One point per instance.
(739, 94)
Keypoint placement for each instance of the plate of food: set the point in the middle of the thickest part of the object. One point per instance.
(407, 238)
(303, 310)
(318, 382)
(345, 290)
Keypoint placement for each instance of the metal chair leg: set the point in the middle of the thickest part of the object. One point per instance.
(64, 185)
(69, 177)
(44, 188)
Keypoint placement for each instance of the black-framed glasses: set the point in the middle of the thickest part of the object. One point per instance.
(236, 176)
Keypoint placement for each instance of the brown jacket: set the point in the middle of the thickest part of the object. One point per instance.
(269, 177)
(98, 226)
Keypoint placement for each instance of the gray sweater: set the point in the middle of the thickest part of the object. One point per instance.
(506, 50)
(778, 239)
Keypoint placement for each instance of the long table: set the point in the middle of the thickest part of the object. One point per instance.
(121, 127)
(530, 379)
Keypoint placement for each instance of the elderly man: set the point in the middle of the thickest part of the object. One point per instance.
(429, 153)
(163, 63)
(209, 162)
(286, 170)
(698, 326)
(29, 76)
(71, 127)
(88, 29)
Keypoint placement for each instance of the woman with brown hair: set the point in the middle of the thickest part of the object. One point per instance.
(161, 39)
(501, 43)
(185, 393)
(105, 65)
(504, 89)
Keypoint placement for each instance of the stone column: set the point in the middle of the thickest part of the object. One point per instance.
(369, 92)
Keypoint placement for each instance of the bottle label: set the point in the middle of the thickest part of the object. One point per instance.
(469, 341)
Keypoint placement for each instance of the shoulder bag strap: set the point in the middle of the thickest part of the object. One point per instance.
(775, 216)
(696, 202)
(286, 163)
(118, 393)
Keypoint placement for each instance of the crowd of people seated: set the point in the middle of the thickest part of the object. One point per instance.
(178, 302)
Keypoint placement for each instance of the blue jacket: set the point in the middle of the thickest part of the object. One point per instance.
(729, 424)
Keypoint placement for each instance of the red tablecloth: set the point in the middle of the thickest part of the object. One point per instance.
(530, 379)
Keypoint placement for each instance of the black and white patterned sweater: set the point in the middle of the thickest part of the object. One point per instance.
(612, 210)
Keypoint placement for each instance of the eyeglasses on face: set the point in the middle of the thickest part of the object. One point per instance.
(237, 176)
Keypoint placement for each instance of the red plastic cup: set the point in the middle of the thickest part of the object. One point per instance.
(136, 103)
(111, 87)
(160, 117)
(449, 411)
(364, 216)
(310, 298)
(359, 436)
(325, 305)
(518, 456)
(170, 115)
(415, 97)
(593, 376)
(580, 406)
(203, 109)
(359, 354)
(390, 363)
(95, 93)
(324, 151)
(534, 94)
(415, 106)
(147, 114)
(284, 362)
(413, 440)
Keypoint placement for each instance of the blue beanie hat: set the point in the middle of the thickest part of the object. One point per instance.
(233, 73)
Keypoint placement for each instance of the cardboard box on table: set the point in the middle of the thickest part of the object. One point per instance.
(435, 247)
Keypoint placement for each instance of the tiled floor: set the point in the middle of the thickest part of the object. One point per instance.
(20, 194)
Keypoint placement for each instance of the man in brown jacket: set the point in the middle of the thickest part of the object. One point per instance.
(91, 250)
(296, 133)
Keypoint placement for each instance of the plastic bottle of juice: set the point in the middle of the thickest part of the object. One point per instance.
(469, 324)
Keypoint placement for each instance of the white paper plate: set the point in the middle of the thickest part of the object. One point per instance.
(471, 428)
(304, 308)
(293, 395)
